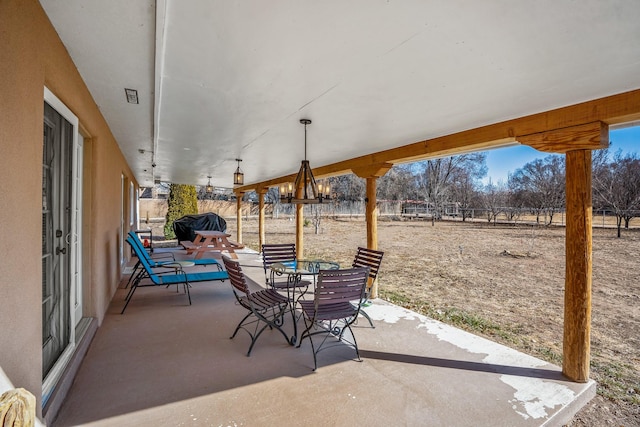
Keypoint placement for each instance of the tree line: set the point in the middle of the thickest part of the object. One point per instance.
(537, 188)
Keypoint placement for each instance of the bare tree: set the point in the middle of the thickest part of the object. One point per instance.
(437, 177)
(316, 217)
(616, 186)
(347, 187)
(465, 194)
(398, 184)
(466, 182)
(493, 200)
(541, 185)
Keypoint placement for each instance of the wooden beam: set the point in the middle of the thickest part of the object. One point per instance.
(610, 110)
(577, 293)
(590, 136)
(372, 171)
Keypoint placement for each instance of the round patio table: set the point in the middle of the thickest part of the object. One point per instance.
(295, 270)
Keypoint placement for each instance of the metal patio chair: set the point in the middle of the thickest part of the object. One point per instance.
(337, 299)
(368, 258)
(285, 255)
(265, 308)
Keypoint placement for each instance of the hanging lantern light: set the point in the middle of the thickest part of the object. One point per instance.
(238, 176)
(209, 188)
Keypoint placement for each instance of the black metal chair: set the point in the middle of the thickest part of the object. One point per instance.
(285, 256)
(368, 258)
(266, 307)
(335, 306)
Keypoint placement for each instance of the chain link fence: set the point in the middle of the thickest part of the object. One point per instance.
(393, 210)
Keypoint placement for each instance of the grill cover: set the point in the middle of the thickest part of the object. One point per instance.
(185, 227)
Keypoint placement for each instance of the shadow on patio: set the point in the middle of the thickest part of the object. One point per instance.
(167, 363)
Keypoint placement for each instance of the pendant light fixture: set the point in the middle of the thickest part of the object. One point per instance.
(310, 191)
(238, 176)
(209, 188)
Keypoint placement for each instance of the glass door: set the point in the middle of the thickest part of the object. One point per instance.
(61, 236)
(56, 227)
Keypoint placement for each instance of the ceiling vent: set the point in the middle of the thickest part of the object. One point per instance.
(132, 96)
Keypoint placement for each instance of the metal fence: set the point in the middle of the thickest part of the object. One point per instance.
(400, 210)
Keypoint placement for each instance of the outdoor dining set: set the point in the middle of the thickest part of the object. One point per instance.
(327, 298)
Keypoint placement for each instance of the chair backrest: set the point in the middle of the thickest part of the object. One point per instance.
(341, 285)
(278, 253)
(142, 257)
(368, 258)
(236, 276)
(136, 240)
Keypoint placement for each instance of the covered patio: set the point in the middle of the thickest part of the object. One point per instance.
(166, 363)
(100, 99)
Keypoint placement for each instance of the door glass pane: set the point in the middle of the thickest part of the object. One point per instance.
(56, 173)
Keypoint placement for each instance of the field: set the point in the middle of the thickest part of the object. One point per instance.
(504, 282)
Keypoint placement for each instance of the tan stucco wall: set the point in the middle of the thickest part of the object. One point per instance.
(32, 56)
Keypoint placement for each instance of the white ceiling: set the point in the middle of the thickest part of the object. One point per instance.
(219, 80)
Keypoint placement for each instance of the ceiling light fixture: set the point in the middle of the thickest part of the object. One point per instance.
(132, 96)
(238, 176)
(209, 188)
(310, 191)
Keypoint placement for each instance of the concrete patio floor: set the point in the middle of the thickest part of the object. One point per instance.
(165, 363)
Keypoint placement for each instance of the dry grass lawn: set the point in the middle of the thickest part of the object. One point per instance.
(506, 283)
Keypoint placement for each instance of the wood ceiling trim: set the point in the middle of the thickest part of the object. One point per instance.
(372, 171)
(591, 136)
(548, 131)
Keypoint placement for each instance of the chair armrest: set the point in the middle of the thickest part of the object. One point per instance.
(163, 255)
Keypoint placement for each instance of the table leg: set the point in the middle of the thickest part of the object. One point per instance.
(291, 288)
(293, 282)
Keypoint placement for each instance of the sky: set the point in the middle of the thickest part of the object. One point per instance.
(505, 161)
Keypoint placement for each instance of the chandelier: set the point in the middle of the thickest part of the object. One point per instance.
(310, 191)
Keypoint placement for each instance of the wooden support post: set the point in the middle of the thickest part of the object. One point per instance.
(372, 224)
(576, 142)
(299, 226)
(261, 227)
(577, 295)
(239, 217)
(371, 172)
(300, 231)
(372, 214)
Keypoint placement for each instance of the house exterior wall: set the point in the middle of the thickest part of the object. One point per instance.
(32, 56)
